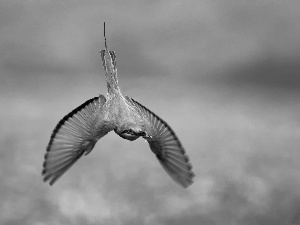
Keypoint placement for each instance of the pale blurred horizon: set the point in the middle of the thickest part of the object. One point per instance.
(223, 74)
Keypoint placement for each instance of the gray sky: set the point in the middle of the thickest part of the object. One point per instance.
(223, 74)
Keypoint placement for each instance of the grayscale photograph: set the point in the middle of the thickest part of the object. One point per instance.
(149, 112)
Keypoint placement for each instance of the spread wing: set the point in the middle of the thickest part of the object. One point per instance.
(166, 146)
(75, 135)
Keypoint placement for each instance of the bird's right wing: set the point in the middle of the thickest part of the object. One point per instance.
(75, 135)
(165, 144)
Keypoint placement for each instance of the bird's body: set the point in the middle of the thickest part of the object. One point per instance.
(77, 133)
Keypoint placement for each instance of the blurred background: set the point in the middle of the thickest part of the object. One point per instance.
(224, 74)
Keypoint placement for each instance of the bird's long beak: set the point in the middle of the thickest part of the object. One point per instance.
(144, 135)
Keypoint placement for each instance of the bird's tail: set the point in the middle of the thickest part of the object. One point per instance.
(110, 68)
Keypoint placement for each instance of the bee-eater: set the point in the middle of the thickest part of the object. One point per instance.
(77, 133)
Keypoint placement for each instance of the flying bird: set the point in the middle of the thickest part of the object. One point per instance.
(78, 132)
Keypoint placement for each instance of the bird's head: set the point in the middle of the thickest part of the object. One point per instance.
(130, 132)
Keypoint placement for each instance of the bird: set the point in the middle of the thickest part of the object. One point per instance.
(77, 133)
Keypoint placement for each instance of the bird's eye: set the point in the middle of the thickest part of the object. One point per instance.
(129, 131)
(142, 133)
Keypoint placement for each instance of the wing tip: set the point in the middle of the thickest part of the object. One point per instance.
(51, 180)
(185, 183)
(181, 176)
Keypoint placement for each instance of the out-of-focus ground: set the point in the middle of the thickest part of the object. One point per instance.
(224, 74)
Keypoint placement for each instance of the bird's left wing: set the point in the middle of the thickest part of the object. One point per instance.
(166, 146)
(75, 135)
